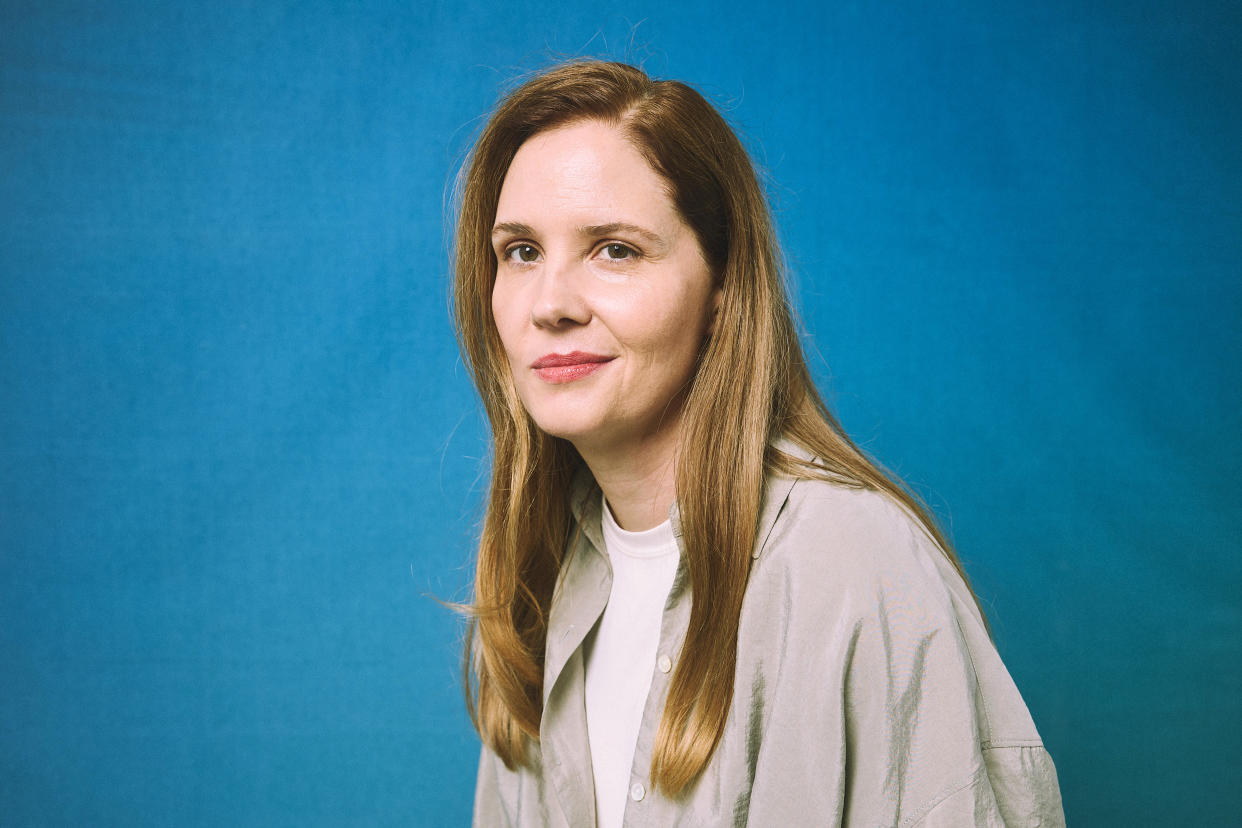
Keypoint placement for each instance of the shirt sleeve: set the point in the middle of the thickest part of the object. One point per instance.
(910, 708)
(1016, 787)
(875, 713)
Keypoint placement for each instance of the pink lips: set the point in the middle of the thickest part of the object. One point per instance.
(560, 368)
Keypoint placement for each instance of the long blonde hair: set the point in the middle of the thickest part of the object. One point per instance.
(727, 433)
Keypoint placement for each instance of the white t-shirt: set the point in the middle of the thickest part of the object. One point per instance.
(621, 655)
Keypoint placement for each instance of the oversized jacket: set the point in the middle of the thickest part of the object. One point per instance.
(867, 690)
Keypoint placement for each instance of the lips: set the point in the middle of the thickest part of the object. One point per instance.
(561, 368)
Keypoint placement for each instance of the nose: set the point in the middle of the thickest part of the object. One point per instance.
(558, 300)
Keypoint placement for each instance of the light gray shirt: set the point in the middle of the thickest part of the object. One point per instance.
(867, 690)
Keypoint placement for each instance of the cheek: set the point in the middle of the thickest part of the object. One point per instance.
(504, 318)
(656, 318)
(666, 343)
(679, 322)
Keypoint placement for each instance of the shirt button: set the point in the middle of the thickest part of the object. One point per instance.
(664, 663)
(637, 792)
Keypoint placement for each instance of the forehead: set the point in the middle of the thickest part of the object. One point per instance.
(589, 171)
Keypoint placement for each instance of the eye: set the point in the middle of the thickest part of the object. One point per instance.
(617, 252)
(522, 254)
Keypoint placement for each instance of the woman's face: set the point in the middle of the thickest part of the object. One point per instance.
(602, 296)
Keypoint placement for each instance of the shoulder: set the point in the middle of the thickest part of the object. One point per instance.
(846, 511)
(852, 603)
(851, 576)
(837, 538)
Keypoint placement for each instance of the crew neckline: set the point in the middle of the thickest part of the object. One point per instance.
(648, 543)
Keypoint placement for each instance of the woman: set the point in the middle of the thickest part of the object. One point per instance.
(696, 601)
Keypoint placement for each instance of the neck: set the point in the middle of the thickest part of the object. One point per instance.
(639, 481)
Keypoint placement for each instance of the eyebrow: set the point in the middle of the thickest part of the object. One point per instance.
(619, 227)
(512, 228)
(516, 228)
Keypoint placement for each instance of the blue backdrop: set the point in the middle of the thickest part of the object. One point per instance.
(240, 458)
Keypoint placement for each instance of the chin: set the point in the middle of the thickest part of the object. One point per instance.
(580, 432)
(572, 432)
(556, 418)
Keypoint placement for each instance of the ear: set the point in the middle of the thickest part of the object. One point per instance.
(717, 293)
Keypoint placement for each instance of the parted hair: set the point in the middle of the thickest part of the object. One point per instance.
(751, 386)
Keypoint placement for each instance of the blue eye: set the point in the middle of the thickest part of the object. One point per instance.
(522, 253)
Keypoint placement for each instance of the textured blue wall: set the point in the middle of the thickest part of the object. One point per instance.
(239, 455)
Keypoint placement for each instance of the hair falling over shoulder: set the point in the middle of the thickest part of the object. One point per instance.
(728, 428)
